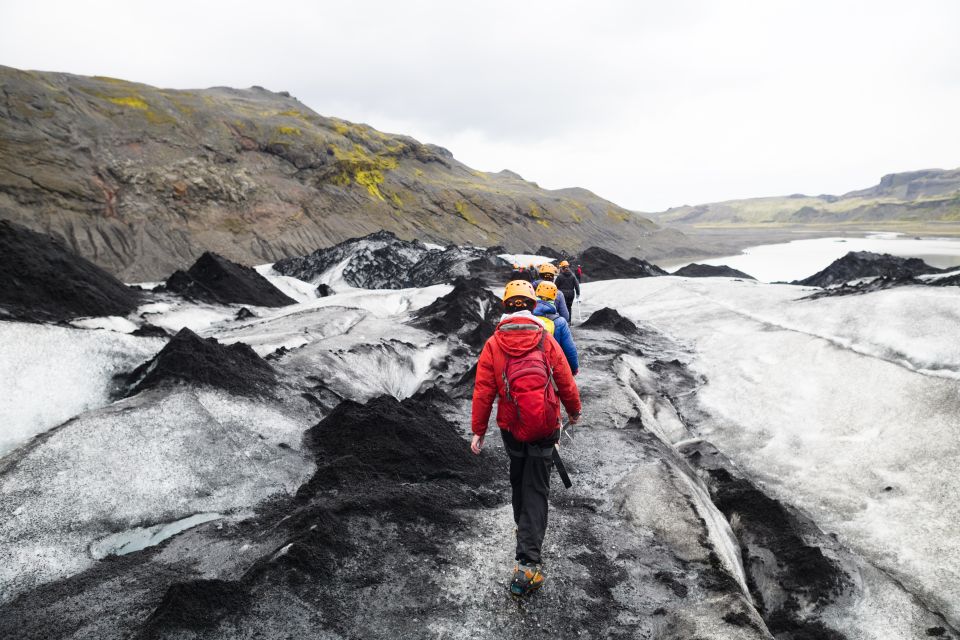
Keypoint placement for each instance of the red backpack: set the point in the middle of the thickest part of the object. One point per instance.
(530, 387)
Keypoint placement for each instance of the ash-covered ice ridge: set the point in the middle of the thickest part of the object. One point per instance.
(303, 470)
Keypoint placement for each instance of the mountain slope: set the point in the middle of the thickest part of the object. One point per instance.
(927, 196)
(142, 180)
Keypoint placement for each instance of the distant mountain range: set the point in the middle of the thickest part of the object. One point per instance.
(928, 196)
(141, 181)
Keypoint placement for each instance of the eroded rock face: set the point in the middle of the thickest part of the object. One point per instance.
(213, 278)
(190, 359)
(711, 271)
(43, 281)
(866, 264)
(602, 264)
(141, 180)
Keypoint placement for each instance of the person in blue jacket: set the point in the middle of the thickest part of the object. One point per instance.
(548, 273)
(546, 294)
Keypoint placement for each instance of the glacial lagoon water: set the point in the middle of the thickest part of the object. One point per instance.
(798, 259)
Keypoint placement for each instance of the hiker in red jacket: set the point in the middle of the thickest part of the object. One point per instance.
(524, 368)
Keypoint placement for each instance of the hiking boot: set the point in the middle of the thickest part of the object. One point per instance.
(527, 578)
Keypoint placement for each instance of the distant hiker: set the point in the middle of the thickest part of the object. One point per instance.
(519, 273)
(533, 271)
(524, 369)
(546, 294)
(579, 273)
(568, 283)
(547, 274)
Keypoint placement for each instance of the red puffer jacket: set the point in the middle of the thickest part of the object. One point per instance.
(489, 381)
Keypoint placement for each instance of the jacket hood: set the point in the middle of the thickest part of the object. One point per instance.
(544, 307)
(518, 333)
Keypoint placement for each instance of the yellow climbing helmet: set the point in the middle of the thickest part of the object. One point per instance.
(520, 288)
(564, 263)
(548, 268)
(547, 290)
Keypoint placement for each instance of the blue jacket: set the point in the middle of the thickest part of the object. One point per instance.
(560, 303)
(561, 332)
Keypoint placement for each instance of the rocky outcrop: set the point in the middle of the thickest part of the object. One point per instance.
(469, 311)
(377, 261)
(142, 180)
(711, 271)
(869, 285)
(458, 262)
(147, 330)
(383, 261)
(611, 320)
(43, 281)
(604, 265)
(866, 264)
(213, 278)
(190, 359)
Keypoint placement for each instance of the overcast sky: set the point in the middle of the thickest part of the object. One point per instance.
(649, 104)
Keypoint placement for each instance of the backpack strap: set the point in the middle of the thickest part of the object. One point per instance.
(546, 361)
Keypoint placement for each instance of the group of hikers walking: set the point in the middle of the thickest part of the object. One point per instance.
(528, 366)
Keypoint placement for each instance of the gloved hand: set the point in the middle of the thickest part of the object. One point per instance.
(574, 418)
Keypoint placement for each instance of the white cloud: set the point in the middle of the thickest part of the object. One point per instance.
(648, 104)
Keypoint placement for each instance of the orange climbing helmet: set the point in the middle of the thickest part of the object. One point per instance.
(564, 263)
(547, 290)
(520, 288)
(546, 267)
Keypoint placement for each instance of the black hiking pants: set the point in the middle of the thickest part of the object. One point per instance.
(530, 464)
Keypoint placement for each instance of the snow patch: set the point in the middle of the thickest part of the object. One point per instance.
(933, 277)
(147, 286)
(297, 289)
(524, 259)
(197, 317)
(110, 323)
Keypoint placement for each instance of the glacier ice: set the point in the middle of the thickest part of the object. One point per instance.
(50, 374)
(157, 457)
(809, 397)
(844, 407)
(140, 538)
